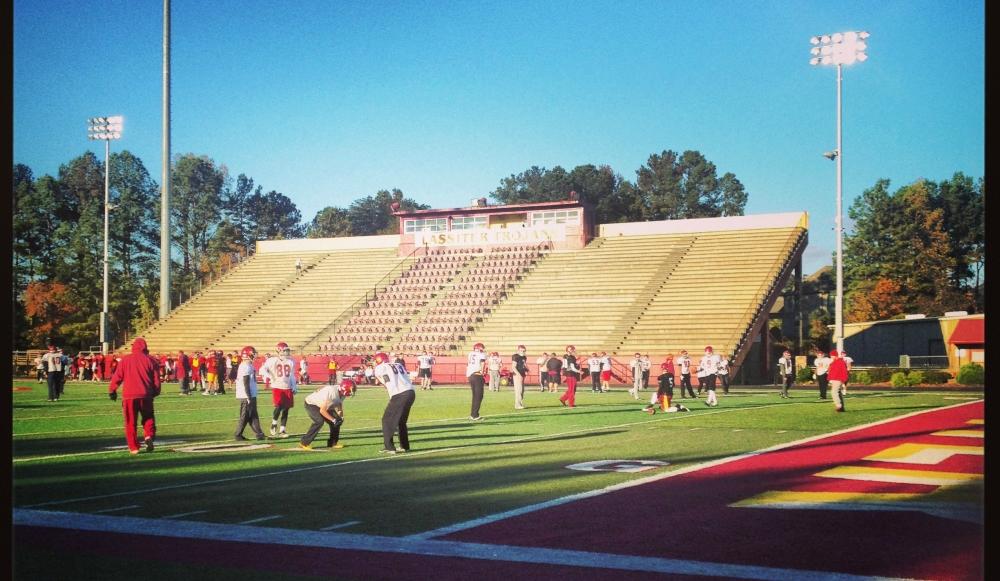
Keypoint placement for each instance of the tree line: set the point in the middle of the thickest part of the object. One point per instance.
(58, 227)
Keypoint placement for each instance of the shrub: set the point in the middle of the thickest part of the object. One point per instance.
(916, 377)
(899, 379)
(859, 378)
(935, 377)
(881, 374)
(804, 375)
(971, 374)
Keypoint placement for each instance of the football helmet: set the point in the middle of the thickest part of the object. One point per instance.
(479, 346)
(283, 348)
(381, 357)
(570, 348)
(521, 348)
(248, 352)
(346, 387)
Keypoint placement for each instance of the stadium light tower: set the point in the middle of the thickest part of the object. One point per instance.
(105, 129)
(839, 49)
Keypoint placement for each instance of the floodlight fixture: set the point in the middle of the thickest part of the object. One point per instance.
(841, 48)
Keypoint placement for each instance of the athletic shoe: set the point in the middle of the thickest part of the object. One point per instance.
(402, 450)
(149, 444)
(476, 419)
(240, 439)
(274, 429)
(562, 402)
(261, 437)
(386, 451)
(336, 446)
(133, 452)
(306, 446)
(283, 435)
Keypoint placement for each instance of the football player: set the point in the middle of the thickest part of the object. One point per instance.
(326, 406)
(401, 396)
(246, 394)
(279, 372)
(475, 369)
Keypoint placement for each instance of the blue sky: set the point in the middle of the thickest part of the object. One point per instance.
(327, 102)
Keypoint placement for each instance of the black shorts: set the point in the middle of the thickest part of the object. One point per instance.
(424, 372)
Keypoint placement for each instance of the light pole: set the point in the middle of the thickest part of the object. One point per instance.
(105, 129)
(841, 48)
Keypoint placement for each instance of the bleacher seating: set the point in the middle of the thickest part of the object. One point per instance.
(648, 293)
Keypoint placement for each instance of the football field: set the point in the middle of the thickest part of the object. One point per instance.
(73, 480)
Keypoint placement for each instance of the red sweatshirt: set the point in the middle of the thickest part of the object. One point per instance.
(138, 374)
(838, 370)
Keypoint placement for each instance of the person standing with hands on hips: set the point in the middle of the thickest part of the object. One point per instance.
(520, 374)
(139, 376)
(475, 369)
(822, 368)
(246, 394)
(786, 367)
(401, 396)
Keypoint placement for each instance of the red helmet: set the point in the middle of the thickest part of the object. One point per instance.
(519, 347)
(283, 348)
(346, 387)
(570, 348)
(381, 357)
(248, 352)
(479, 346)
(708, 348)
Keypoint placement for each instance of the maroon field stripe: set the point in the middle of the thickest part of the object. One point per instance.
(689, 517)
(317, 561)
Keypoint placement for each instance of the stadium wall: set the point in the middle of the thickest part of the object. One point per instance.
(694, 225)
(328, 244)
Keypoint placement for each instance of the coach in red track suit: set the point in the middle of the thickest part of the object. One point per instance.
(139, 376)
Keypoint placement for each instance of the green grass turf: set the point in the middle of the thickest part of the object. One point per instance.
(458, 470)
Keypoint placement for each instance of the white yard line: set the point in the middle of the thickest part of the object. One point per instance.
(129, 507)
(261, 519)
(342, 525)
(184, 514)
(275, 537)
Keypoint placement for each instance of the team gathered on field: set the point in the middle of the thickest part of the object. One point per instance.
(140, 377)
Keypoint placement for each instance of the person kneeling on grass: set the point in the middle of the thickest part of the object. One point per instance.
(664, 395)
(326, 406)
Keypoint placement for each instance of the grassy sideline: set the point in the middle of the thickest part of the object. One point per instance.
(69, 455)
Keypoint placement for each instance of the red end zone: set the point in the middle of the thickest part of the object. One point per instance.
(901, 498)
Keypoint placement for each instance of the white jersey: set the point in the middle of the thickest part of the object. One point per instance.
(822, 365)
(394, 377)
(326, 397)
(495, 363)
(685, 365)
(54, 361)
(605, 364)
(723, 366)
(787, 366)
(594, 364)
(425, 361)
(710, 364)
(246, 370)
(279, 373)
(475, 363)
